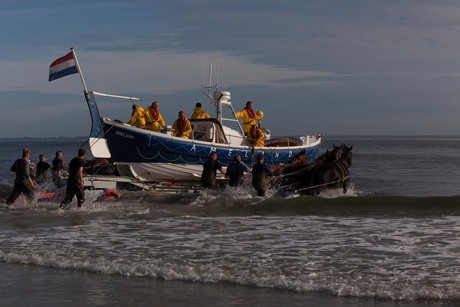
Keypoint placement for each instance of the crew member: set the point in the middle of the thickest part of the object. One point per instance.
(256, 136)
(153, 118)
(248, 117)
(137, 117)
(181, 127)
(199, 113)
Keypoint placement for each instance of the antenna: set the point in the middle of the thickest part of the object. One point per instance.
(204, 65)
(209, 87)
(217, 71)
(210, 76)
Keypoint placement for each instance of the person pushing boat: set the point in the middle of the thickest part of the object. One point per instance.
(259, 172)
(208, 177)
(235, 171)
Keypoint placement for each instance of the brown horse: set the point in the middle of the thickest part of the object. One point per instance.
(328, 170)
(328, 174)
(294, 170)
(331, 156)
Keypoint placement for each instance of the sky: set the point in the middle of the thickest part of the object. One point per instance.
(332, 67)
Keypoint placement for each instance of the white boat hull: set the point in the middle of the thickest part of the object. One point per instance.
(149, 172)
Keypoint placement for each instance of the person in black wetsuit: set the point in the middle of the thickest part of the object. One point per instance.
(235, 171)
(208, 176)
(41, 169)
(259, 172)
(23, 183)
(75, 182)
(58, 165)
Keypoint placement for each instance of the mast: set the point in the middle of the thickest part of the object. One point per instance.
(79, 71)
(218, 98)
(97, 143)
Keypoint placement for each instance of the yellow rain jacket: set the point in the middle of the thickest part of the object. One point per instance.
(256, 137)
(184, 131)
(198, 113)
(247, 120)
(151, 123)
(137, 118)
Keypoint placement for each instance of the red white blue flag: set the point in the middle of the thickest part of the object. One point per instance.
(63, 66)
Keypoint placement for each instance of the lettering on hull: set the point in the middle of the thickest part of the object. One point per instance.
(190, 151)
(124, 135)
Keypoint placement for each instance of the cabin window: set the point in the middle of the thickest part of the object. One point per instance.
(208, 130)
(203, 132)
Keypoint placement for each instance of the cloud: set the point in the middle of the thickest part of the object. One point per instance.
(147, 72)
(349, 66)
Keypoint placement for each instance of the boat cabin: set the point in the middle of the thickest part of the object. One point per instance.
(208, 130)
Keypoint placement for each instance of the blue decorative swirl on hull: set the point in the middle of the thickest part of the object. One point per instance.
(132, 145)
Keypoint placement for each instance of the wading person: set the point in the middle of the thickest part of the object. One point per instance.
(41, 169)
(259, 172)
(75, 182)
(23, 183)
(208, 177)
(235, 171)
(57, 164)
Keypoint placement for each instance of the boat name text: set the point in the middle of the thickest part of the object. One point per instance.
(244, 153)
(125, 135)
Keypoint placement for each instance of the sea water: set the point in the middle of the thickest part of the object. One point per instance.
(392, 240)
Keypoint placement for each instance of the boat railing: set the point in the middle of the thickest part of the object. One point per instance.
(309, 139)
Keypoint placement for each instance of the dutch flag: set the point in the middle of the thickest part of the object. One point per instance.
(63, 66)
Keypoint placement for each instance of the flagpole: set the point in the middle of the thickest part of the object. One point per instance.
(79, 70)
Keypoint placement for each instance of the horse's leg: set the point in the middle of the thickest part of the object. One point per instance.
(311, 183)
(345, 186)
(314, 192)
